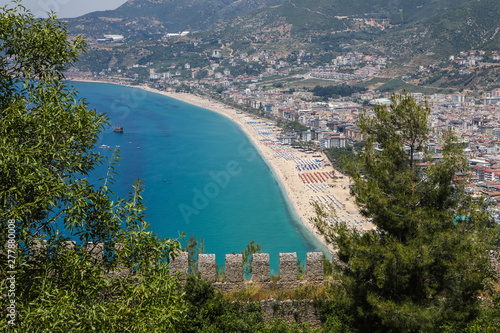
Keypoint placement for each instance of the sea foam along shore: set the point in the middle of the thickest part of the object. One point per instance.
(300, 190)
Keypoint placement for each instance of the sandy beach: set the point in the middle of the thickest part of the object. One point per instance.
(305, 177)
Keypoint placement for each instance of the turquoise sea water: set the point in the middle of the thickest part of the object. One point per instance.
(202, 175)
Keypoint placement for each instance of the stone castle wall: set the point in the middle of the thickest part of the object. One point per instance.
(303, 311)
(298, 311)
(233, 274)
(234, 277)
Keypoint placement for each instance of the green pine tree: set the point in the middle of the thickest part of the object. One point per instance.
(424, 265)
(251, 249)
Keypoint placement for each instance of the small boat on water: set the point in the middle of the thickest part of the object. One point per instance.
(118, 128)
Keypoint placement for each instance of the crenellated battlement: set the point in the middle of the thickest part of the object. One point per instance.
(233, 274)
(207, 266)
(234, 277)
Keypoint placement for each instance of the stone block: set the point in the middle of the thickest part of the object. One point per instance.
(261, 268)
(314, 266)
(288, 267)
(180, 264)
(207, 267)
(68, 246)
(304, 311)
(234, 268)
(96, 252)
(121, 268)
(37, 248)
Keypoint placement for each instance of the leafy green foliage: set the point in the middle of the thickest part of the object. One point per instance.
(295, 126)
(342, 158)
(65, 292)
(44, 179)
(336, 91)
(47, 136)
(327, 267)
(489, 318)
(336, 314)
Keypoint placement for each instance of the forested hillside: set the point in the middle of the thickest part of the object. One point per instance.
(474, 25)
(422, 31)
(143, 18)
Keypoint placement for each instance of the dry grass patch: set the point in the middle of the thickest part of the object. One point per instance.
(257, 292)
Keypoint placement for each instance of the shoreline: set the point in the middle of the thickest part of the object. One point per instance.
(283, 162)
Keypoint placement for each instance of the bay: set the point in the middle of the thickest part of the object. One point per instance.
(202, 175)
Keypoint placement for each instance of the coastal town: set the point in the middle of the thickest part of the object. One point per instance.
(273, 97)
(250, 166)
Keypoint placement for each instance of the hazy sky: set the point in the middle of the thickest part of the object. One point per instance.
(67, 8)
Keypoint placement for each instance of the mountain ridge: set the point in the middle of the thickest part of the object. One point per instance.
(142, 18)
(474, 25)
(410, 31)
